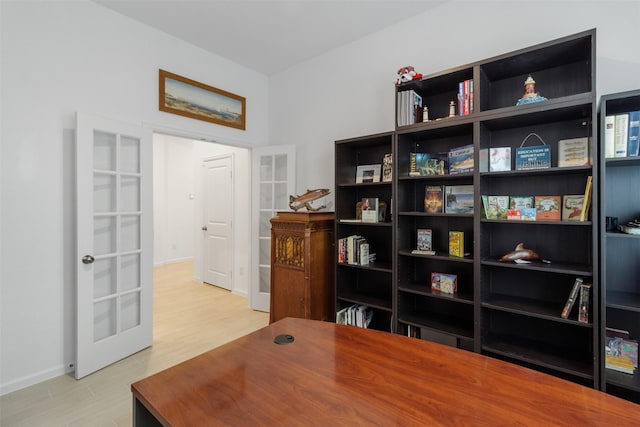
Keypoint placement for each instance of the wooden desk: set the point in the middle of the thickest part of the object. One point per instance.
(342, 375)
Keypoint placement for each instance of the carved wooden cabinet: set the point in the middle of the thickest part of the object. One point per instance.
(302, 257)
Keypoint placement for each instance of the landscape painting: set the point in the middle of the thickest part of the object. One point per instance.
(185, 97)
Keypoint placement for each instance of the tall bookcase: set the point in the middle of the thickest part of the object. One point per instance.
(368, 285)
(505, 310)
(620, 253)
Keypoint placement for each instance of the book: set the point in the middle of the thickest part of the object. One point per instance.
(571, 300)
(456, 244)
(498, 206)
(548, 208)
(461, 160)
(434, 199)
(573, 152)
(485, 206)
(370, 212)
(427, 164)
(443, 282)
(387, 167)
(514, 214)
(459, 199)
(609, 137)
(499, 159)
(583, 304)
(629, 351)
(633, 135)
(572, 207)
(363, 253)
(483, 159)
(528, 214)
(586, 202)
(521, 202)
(621, 134)
(424, 239)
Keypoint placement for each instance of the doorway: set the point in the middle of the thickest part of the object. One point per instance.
(179, 206)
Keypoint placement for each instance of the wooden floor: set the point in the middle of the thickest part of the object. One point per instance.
(189, 319)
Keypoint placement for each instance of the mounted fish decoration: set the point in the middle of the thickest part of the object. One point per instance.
(306, 200)
(520, 253)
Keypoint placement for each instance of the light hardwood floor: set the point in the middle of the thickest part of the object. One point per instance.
(189, 318)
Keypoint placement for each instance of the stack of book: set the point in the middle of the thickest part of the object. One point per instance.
(622, 135)
(354, 250)
(465, 97)
(355, 315)
(409, 108)
(621, 352)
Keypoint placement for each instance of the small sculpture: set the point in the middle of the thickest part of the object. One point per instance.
(530, 95)
(520, 253)
(406, 74)
(306, 200)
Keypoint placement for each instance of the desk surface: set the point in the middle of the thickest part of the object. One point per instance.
(342, 375)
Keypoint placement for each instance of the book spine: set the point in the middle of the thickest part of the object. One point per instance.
(633, 137)
(460, 98)
(466, 97)
(583, 307)
(572, 298)
(586, 201)
(609, 137)
(621, 132)
(471, 96)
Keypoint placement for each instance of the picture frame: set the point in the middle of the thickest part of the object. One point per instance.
(189, 98)
(368, 173)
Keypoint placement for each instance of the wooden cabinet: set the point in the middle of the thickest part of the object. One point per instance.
(620, 252)
(302, 255)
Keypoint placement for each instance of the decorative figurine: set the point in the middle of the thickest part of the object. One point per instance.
(452, 109)
(425, 114)
(520, 253)
(306, 200)
(530, 95)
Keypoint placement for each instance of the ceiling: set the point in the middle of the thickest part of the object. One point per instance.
(269, 36)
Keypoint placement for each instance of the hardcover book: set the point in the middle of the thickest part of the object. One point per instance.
(609, 137)
(425, 164)
(573, 152)
(621, 134)
(528, 214)
(387, 167)
(434, 199)
(461, 160)
(548, 208)
(514, 214)
(446, 283)
(571, 300)
(499, 159)
(483, 158)
(497, 207)
(583, 305)
(459, 199)
(572, 207)
(424, 239)
(633, 137)
(520, 202)
(586, 202)
(456, 244)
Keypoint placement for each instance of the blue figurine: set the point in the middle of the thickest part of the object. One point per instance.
(530, 95)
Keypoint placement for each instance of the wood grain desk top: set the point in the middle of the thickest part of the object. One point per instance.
(341, 375)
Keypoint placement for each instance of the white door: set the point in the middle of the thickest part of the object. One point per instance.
(114, 287)
(272, 182)
(218, 214)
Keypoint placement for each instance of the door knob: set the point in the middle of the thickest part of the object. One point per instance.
(204, 228)
(88, 259)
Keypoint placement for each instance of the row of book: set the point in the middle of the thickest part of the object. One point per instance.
(354, 250)
(409, 108)
(355, 315)
(572, 152)
(621, 352)
(465, 97)
(580, 292)
(424, 243)
(451, 199)
(455, 161)
(622, 135)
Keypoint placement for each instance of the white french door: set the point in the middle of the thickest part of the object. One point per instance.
(273, 181)
(114, 283)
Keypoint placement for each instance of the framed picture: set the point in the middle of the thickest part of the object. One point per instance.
(368, 173)
(186, 97)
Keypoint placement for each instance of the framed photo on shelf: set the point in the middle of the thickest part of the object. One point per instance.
(368, 173)
(185, 97)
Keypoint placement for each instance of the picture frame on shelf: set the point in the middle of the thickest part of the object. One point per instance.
(189, 98)
(368, 173)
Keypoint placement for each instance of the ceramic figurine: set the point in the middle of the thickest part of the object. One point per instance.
(530, 94)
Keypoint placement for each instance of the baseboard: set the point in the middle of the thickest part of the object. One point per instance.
(38, 377)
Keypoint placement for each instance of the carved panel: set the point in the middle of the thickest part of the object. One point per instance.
(290, 250)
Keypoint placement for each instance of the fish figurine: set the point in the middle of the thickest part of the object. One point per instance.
(305, 200)
(520, 253)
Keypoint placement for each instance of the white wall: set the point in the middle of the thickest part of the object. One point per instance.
(58, 58)
(349, 91)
